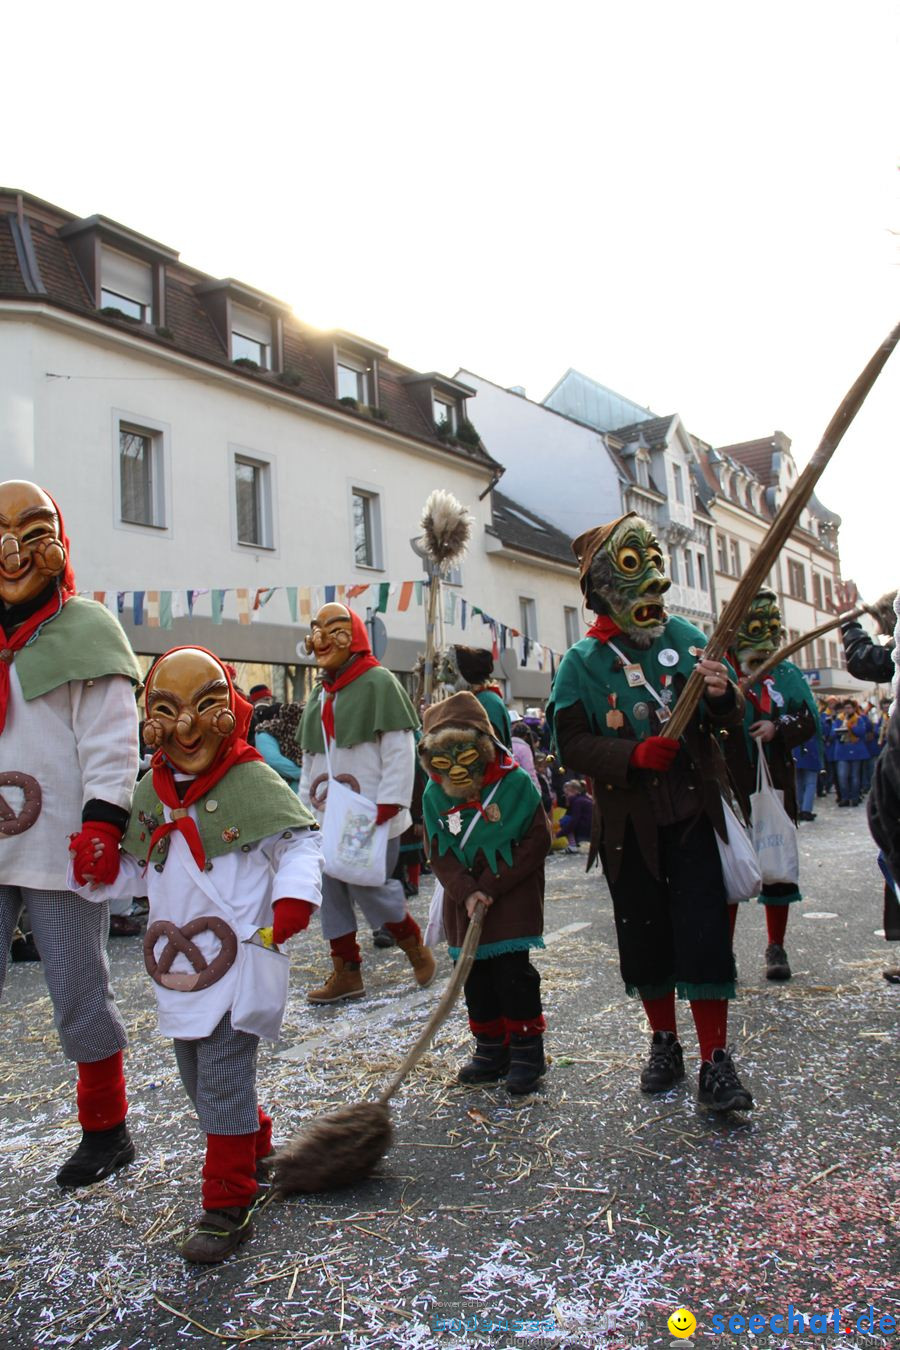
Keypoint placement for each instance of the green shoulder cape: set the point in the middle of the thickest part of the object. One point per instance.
(590, 671)
(83, 642)
(376, 701)
(517, 799)
(250, 803)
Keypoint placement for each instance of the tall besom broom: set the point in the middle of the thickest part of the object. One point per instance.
(342, 1148)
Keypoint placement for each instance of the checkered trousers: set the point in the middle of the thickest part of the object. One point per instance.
(219, 1075)
(71, 937)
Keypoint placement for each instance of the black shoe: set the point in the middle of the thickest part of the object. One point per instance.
(665, 1065)
(382, 938)
(23, 948)
(892, 976)
(217, 1234)
(720, 1088)
(777, 965)
(841, 803)
(100, 1153)
(806, 815)
(120, 925)
(526, 1064)
(489, 1062)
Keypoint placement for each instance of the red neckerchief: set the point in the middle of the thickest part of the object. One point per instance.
(233, 751)
(488, 689)
(361, 660)
(9, 645)
(494, 771)
(762, 698)
(603, 628)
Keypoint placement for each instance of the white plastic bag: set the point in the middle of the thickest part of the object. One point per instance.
(740, 868)
(774, 833)
(434, 929)
(262, 990)
(354, 847)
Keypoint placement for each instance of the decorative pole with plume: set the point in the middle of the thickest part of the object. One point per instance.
(447, 528)
(778, 534)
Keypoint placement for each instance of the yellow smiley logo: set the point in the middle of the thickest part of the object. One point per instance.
(682, 1323)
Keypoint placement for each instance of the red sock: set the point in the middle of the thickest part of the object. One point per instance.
(413, 871)
(101, 1093)
(229, 1172)
(404, 930)
(661, 1012)
(493, 1030)
(263, 1134)
(530, 1026)
(711, 1021)
(347, 948)
(732, 919)
(776, 923)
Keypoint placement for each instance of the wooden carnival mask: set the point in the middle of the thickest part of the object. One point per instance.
(31, 548)
(627, 581)
(330, 637)
(189, 710)
(457, 757)
(761, 632)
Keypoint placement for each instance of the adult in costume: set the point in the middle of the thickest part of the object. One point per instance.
(780, 715)
(657, 802)
(364, 712)
(67, 676)
(230, 861)
(476, 667)
(488, 836)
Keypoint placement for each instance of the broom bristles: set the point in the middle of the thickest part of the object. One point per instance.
(447, 526)
(336, 1150)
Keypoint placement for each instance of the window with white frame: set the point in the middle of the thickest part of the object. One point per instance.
(573, 627)
(126, 284)
(678, 478)
(722, 553)
(527, 617)
(734, 549)
(445, 413)
(688, 568)
(366, 527)
(796, 579)
(251, 336)
(701, 572)
(352, 377)
(673, 566)
(141, 471)
(253, 502)
(817, 589)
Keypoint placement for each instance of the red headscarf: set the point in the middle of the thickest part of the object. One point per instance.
(233, 750)
(361, 660)
(12, 643)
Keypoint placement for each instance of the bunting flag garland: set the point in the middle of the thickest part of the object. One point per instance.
(160, 608)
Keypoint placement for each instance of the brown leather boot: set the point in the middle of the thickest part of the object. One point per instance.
(421, 959)
(345, 981)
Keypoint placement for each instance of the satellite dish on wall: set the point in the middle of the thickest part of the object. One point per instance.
(508, 662)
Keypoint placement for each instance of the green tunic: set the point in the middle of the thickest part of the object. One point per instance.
(374, 702)
(83, 642)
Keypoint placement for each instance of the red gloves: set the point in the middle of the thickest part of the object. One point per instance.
(95, 852)
(386, 813)
(656, 752)
(289, 917)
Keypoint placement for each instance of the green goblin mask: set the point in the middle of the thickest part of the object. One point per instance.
(627, 581)
(457, 757)
(760, 633)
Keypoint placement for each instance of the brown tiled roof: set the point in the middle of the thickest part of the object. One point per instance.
(515, 525)
(757, 455)
(655, 431)
(306, 351)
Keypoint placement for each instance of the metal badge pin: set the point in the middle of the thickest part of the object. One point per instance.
(455, 822)
(641, 711)
(668, 657)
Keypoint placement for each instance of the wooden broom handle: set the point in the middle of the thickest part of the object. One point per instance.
(448, 998)
(777, 536)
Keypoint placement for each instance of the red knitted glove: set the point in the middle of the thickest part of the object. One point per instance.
(289, 917)
(656, 752)
(95, 852)
(386, 813)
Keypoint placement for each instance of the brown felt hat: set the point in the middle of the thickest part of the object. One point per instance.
(459, 710)
(588, 544)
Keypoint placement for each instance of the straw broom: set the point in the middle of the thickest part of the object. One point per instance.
(447, 527)
(777, 536)
(344, 1147)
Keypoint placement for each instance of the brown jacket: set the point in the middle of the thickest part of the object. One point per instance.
(517, 891)
(640, 797)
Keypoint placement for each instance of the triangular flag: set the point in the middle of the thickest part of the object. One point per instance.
(406, 591)
(243, 604)
(420, 590)
(291, 593)
(138, 598)
(358, 589)
(216, 600)
(165, 609)
(384, 591)
(303, 593)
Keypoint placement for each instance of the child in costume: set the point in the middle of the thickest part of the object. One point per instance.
(370, 723)
(230, 861)
(488, 836)
(779, 716)
(67, 676)
(657, 801)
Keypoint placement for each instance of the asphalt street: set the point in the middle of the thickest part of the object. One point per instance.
(579, 1217)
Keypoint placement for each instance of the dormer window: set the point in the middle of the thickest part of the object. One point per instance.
(352, 377)
(126, 284)
(251, 336)
(445, 412)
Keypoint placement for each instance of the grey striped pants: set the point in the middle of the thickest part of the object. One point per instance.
(219, 1075)
(380, 904)
(71, 937)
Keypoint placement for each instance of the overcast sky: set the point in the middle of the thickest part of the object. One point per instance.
(695, 203)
